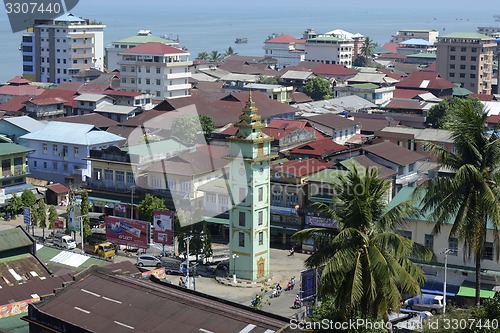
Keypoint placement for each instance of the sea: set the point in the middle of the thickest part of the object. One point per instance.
(215, 25)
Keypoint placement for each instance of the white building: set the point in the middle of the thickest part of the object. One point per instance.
(406, 34)
(357, 39)
(59, 48)
(156, 68)
(329, 50)
(287, 50)
(113, 52)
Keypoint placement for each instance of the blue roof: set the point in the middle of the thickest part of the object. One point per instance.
(26, 123)
(68, 17)
(78, 134)
(417, 41)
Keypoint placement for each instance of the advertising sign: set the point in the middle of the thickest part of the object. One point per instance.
(73, 220)
(27, 215)
(17, 308)
(58, 224)
(123, 231)
(163, 222)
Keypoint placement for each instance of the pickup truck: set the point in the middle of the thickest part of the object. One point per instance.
(425, 302)
(64, 241)
(104, 250)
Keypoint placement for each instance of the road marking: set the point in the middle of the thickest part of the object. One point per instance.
(248, 328)
(124, 325)
(82, 310)
(206, 331)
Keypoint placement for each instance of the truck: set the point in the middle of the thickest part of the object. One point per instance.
(104, 249)
(425, 302)
(64, 241)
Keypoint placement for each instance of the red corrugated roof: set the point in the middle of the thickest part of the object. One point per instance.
(58, 188)
(482, 97)
(407, 93)
(154, 48)
(22, 90)
(68, 95)
(333, 69)
(47, 101)
(493, 119)
(393, 153)
(285, 39)
(391, 47)
(318, 148)
(405, 104)
(16, 104)
(18, 80)
(418, 80)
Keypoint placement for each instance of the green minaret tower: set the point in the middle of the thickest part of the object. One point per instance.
(249, 218)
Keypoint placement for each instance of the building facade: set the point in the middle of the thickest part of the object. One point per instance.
(157, 69)
(329, 50)
(406, 34)
(466, 58)
(56, 49)
(287, 50)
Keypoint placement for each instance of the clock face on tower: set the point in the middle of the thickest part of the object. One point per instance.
(242, 171)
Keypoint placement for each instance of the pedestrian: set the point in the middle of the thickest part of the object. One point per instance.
(181, 282)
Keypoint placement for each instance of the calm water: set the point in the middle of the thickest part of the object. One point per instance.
(205, 26)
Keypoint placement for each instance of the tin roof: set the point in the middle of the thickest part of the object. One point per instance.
(14, 238)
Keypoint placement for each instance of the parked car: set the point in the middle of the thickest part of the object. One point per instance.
(223, 266)
(425, 302)
(148, 260)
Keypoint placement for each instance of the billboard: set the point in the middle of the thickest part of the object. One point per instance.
(163, 222)
(123, 231)
(58, 224)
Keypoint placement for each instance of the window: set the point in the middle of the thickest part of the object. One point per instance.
(108, 175)
(155, 182)
(488, 251)
(261, 193)
(261, 238)
(473, 76)
(452, 74)
(54, 166)
(462, 75)
(452, 57)
(463, 49)
(65, 151)
(130, 178)
(473, 67)
(44, 148)
(473, 58)
(429, 241)
(452, 49)
(35, 164)
(120, 176)
(45, 165)
(158, 70)
(453, 246)
(124, 68)
(261, 217)
(454, 150)
(243, 194)
(158, 82)
(462, 58)
(241, 219)
(405, 233)
(148, 81)
(462, 66)
(241, 239)
(97, 174)
(474, 49)
(55, 149)
(158, 93)
(75, 151)
(148, 70)
(411, 167)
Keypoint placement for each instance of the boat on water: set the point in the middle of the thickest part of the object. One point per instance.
(241, 40)
(497, 18)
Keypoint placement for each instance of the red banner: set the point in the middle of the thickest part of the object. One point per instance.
(122, 231)
(58, 224)
(163, 222)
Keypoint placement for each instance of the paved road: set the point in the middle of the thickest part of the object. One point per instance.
(282, 267)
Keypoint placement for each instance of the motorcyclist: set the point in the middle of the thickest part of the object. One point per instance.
(297, 301)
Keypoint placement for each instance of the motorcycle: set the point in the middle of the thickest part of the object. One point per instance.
(256, 301)
(276, 293)
(297, 304)
(290, 286)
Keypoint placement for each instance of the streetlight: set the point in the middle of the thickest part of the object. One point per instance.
(235, 256)
(446, 252)
(187, 239)
(81, 228)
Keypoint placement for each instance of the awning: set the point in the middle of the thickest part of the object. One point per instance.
(471, 292)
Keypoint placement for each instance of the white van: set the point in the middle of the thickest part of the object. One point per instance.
(64, 241)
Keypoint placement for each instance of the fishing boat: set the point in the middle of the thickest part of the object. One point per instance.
(241, 40)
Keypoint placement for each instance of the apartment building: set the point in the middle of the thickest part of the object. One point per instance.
(466, 58)
(329, 50)
(406, 34)
(113, 52)
(156, 68)
(287, 50)
(57, 49)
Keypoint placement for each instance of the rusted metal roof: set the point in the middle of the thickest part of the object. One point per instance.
(113, 303)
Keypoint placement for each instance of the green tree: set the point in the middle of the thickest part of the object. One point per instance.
(148, 205)
(215, 56)
(367, 263)
(202, 56)
(470, 198)
(268, 79)
(206, 246)
(41, 213)
(368, 48)
(52, 216)
(229, 52)
(186, 128)
(28, 198)
(207, 124)
(440, 115)
(15, 205)
(318, 88)
(359, 61)
(85, 207)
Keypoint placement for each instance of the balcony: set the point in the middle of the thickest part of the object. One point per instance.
(83, 56)
(410, 178)
(18, 172)
(102, 185)
(177, 76)
(176, 87)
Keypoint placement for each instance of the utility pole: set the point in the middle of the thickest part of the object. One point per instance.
(446, 252)
(187, 239)
(132, 189)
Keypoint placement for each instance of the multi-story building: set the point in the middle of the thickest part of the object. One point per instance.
(406, 34)
(357, 39)
(466, 58)
(58, 48)
(13, 169)
(329, 50)
(369, 91)
(61, 150)
(287, 50)
(157, 69)
(113, 52)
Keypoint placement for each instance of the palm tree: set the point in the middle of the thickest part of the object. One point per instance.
(202, 56)
(470, 198)
(367, 263)
(215, 56)
(229, 52)
(368, 47)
